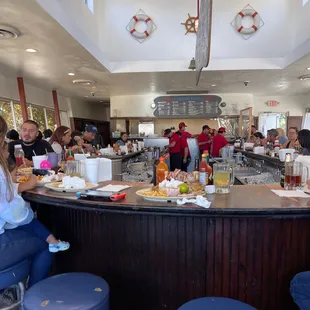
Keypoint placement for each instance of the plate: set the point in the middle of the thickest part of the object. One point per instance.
(161, 199)
(24, 171)
(55, 187)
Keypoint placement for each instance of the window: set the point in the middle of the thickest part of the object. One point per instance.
(304, 2)
(268, 121)
(90, 4)
(12, 113)
(306, 124)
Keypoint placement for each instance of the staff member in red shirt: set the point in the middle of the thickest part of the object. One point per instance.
(204, 140)
(186, 156)
(219, 141)
(184, 133)
(174, 149)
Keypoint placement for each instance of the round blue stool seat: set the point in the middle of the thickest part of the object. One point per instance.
(14, 274)
(215, 303)
(69, 291)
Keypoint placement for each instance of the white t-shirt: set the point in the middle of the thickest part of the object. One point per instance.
(12, 213)
(57, 147)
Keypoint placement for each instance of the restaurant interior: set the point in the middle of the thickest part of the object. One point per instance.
(173, 158)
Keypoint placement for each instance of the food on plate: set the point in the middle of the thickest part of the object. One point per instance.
(24, 171)
(23, 179)
(40, 178)
(155, 192)
(72, 182)
(179, 175)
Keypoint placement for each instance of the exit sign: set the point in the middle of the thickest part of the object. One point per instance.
(272, 103)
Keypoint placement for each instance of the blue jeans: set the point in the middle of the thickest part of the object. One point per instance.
(300, 290)
(28, 241)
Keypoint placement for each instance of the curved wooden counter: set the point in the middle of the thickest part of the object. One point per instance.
(247, 246)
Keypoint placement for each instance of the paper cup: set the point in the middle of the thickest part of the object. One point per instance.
(37, 160)
(92, 169)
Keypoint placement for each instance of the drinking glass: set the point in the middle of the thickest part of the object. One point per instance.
(296, 174)
(223, 177)
(72, 168)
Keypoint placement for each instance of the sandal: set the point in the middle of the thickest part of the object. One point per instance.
(60, 246)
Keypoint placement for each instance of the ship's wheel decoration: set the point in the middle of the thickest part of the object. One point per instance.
(257, 22)
(190, 24)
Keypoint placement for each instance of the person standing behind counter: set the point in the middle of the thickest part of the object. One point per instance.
(123, 140)
(204, 140)
(30, 144)
(219, 141)
(185, 154)
(174, 149)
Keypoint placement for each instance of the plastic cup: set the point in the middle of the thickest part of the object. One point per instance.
(53, 159)
(92, 170)
(37, 160)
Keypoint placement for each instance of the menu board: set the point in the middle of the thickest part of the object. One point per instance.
(187, 106)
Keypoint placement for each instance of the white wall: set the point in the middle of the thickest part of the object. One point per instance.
(89, 110)
(301, 22)
(35, 95)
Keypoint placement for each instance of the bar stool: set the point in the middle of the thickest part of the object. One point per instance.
(14, 275)
(215, 303)
(66, 291)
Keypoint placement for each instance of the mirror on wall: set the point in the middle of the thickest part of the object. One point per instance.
(245, 123)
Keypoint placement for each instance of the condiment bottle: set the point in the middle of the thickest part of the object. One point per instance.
(155, 164)
(161, 171)
(277, 146)
(196, 170)
(203, 174)
(70, 154)
(19, 155)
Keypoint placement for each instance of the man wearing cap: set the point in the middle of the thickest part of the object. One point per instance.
(219, 141)
(185, 134)
(89, 135)
(174, 149)
(185, 153)
(204, 140)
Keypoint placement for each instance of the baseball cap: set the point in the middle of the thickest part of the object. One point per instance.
(91, 129)
(167, 131)
(182, 125)
(222, 129)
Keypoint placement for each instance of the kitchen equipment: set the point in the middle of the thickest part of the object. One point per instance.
(223, 177)
(295, 175)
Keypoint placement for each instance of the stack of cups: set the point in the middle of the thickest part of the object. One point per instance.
(92, 170)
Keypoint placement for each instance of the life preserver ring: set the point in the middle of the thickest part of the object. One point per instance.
(253, 28)
(143, 18)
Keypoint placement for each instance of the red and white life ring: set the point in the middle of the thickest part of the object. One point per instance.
(253, 28)
(138, 18)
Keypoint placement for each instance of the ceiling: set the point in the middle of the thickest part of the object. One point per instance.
(59, 53)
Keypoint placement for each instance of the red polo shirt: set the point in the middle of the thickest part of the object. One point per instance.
(177, 148)
(204, 138)
(219, 141)
(184, 145)
(185, 134)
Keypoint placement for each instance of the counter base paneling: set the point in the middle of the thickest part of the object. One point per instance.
(158, 261)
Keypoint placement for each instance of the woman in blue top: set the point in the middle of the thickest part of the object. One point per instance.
(21, 236)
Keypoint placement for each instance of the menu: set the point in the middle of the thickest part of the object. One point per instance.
(187, 106)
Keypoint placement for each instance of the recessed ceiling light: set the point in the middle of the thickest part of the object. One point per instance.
(71, 73)
(213, 85)
(30, 50)
(86, 96)
(308, 68)
(93, 87)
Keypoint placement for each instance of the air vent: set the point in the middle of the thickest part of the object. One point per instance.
(187, 92)
(304, 77)
(84, 82)
(8, 32)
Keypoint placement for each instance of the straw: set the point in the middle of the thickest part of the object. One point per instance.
(46, 151)
(34, 153)
(83, 152)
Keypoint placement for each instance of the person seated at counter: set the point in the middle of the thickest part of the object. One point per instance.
(292, 141)
(61, 138)
(186, 156)
(18, 243)
(281, 136)
(123, 140)
(219, 141)
(89, 135)
(174, 149)
(272, 135)
(12, 135)
(30, 144)
(204, 140)
(47, 133)
(258, 138)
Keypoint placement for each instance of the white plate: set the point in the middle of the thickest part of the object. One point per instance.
(161, 199)
(46, 182)
(55, 187)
